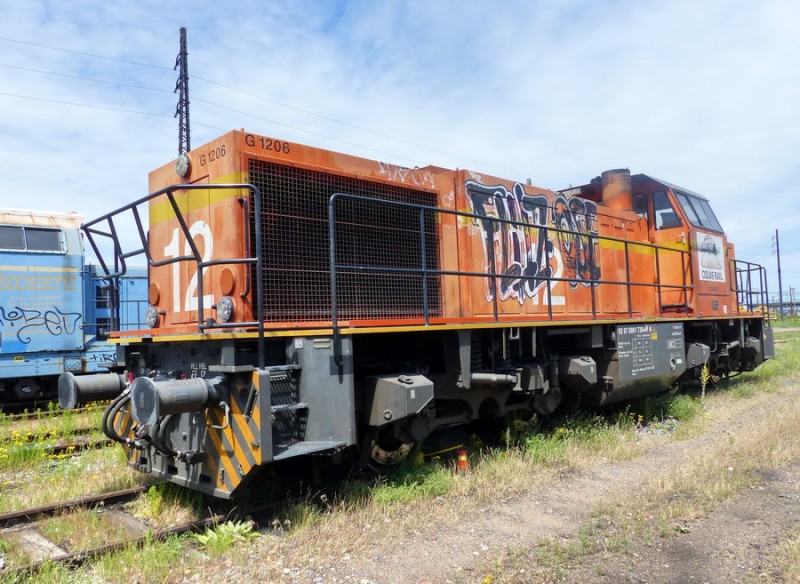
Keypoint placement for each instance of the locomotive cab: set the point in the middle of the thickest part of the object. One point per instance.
(699, 280)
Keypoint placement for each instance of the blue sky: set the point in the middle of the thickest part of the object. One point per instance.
(705, 95)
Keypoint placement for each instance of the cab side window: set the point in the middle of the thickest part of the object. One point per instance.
(666, 217)
(640, 205)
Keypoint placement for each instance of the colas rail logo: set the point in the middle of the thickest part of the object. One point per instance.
(709, 249)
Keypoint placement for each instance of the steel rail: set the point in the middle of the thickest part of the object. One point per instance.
(32, 513)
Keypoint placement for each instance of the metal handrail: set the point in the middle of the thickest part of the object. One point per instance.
(113, 303)
(742, 285)
(425, 272)
(93, 230)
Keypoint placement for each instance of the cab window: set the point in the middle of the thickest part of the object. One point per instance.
(698, 211)
(640, 205)
(666, 217)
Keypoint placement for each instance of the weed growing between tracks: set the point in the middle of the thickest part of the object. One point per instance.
(50, 424)
(85, 529)
(218, 539)
(50, 481)
(167, 504)
(148, 563)
(24, 444)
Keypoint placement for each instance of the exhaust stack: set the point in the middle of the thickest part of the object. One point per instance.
(617, 192)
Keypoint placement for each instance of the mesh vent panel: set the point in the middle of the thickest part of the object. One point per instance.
(295, 245)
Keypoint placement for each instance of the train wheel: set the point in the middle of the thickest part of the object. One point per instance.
(26, 389)
(384, 449)
(546, 404)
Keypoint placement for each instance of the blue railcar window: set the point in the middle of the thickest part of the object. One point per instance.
(18, 238)
(11, 237)
(43, 239)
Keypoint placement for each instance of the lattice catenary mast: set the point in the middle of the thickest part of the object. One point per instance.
(182, 89)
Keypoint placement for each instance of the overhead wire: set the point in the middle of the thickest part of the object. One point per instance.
(100, 107)
(63, 50)
(360, 128)
(194, 99)
(82, 78)
(246, 93)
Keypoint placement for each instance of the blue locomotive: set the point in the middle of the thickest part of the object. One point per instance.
(55, 310)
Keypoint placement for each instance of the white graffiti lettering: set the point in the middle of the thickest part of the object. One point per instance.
(416, 175)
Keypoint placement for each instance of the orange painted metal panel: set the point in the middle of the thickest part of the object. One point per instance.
(515, 253)
(549, 255)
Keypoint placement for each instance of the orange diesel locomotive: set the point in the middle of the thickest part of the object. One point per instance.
(304, 301)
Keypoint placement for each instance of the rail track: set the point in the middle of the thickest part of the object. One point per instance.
(47, 414)
(21, 527)
(12, 518)
(75, 448)
(42, 426)
(44, 435)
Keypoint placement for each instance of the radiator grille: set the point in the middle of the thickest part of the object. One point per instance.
(295, 247)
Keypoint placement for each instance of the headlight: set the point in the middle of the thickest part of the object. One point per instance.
(151, 316)
(225, 308)
(183, 165)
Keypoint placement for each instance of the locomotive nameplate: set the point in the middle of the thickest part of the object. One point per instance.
(650, 349)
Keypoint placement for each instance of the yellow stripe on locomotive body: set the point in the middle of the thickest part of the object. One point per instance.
(351, 306)
(123, 340)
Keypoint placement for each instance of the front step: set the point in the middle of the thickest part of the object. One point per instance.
(301, 448)
(288, 407)
(288, 415)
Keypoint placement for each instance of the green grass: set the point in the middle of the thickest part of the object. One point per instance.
(787, 322)
(24, 446)
(152, 562)
(667, 504)
(218, 539)
(414, 482)
(167, 503)
(95, 470)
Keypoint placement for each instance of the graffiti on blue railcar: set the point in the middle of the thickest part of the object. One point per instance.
(27, 321)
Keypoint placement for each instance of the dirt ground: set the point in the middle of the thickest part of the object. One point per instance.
(731, 544)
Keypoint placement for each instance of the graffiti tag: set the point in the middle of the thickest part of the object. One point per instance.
(417, 176)
(529, 240)
(53, 321)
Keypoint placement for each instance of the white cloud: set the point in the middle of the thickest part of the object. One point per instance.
(705, 95)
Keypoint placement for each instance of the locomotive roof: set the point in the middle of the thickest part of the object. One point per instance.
(40, 218)
(669, 185)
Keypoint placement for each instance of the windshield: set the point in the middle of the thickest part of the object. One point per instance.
(698, 211)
